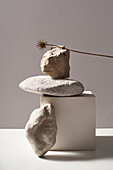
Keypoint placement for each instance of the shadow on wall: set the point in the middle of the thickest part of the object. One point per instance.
(104, 149)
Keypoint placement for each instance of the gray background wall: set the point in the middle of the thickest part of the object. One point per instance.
(80, 24)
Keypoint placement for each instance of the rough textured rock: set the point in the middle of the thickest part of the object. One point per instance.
(47, 85)
(55, 62)
(41, 129)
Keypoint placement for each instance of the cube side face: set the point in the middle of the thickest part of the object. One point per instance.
(75, 118)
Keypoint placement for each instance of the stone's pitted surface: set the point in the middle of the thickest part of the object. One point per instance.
(55, 62)
(41, 129)
(47, 85)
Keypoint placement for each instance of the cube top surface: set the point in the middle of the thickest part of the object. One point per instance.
(84, 94)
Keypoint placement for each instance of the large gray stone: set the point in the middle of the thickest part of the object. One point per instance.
(55, 62)
(41, 129)
(47, 85)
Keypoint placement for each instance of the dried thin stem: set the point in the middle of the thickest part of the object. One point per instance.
(82, 52)
(43, 44)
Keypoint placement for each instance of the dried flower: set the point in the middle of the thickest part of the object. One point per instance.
(43, 44)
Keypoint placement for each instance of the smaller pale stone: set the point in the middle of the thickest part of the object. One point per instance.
(41, 129)
(49, 86)
(55, 63)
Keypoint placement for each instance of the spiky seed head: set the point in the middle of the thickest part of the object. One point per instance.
(41, 44)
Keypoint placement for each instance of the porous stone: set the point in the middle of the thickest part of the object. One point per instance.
(49, 86)
(55, 62)
(41, 129)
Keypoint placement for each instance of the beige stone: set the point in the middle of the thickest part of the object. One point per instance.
(41, 129)
(55, 62)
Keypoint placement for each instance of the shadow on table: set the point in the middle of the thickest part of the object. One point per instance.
(104, 149)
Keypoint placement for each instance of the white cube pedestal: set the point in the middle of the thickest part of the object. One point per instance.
(75, 118)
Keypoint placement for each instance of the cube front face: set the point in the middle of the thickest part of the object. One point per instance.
(75, 118)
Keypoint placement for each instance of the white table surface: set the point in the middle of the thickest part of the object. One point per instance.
(17, 154)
